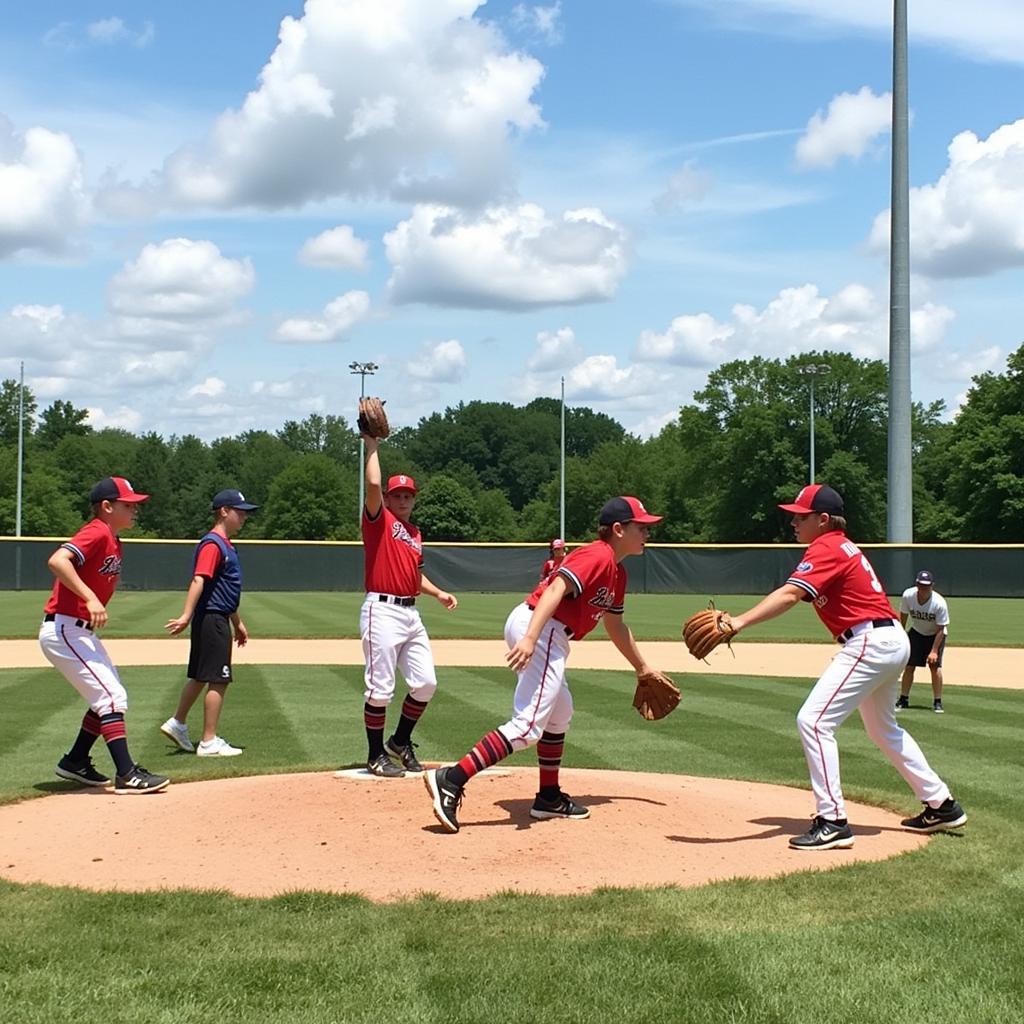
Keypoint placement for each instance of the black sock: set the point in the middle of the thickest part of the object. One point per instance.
(550, 793)
(373, 720)
(456, 776)
(113, 730)
(411, 711)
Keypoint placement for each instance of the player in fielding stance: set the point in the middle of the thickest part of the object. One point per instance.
(392, 633)
(863, 676)
(88, 568)
(589, 585)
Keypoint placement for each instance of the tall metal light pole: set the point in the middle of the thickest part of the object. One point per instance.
(813, 371)
(362, 369)
(21, 466)
(900, 503)
(561, 493)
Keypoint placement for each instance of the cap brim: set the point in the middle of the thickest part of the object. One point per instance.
(132, 499)
(246, 507)
(648, 520)
(800, 510)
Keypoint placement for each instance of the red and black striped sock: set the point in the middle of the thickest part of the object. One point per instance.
(411, 711)
(549, 759)
(373, 719)
(490, 750)
(87, 736)
(115, 735)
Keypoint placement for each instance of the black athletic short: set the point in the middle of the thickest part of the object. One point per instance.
(209, 657)
(921, 647)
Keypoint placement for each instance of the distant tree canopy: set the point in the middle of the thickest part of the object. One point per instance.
(489, 471)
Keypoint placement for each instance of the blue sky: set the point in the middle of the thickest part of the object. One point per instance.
(207, 211)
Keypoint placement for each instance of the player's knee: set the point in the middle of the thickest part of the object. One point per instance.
(423, 691)
(807, 723)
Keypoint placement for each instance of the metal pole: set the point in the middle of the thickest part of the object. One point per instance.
(900, 503)
(561, 496)
(812, 428)
(21, 465)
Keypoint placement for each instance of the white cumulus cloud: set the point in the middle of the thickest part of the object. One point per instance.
(339, 316)
(541, 21)
(442, 362)
(396, 98)
(971, 221)
(601, 379)
(179, 280)
(121, 418)
(209, 388)
(335, 249)
(43, 202)
(555, 349)
(853, 121)
(506, 257)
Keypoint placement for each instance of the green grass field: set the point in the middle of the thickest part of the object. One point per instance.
(976, 622)
(932, 936)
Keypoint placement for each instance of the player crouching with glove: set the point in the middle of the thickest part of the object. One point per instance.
(850, 601)
(589, 584)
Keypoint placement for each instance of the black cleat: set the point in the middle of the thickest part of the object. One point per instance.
(902, 703)
(937, 819)
(446, 796)
(824, 835)
(562, 807)
(383, 766)
(405, 754)
(80, 771)
(138, 780)
(937, 707)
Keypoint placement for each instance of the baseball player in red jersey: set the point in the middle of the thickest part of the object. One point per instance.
(88, 568)
(589, 585)
(838, 579)
(390, 627)
(556, 552)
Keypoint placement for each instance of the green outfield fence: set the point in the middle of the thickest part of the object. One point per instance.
(978, 570)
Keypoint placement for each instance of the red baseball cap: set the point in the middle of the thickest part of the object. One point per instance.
(115, 488)
(626, 510)
(816, 498)
(401, 482)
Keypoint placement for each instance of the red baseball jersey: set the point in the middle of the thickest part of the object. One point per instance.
(549, 567)
(97, 558)
(840, 582)
(393, 554)
(208, 560)
(599, 583)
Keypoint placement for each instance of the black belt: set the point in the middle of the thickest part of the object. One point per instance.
(402, 602)
(80, 623)
(875, 624)
(568, 631)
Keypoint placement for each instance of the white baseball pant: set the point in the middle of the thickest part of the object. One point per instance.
(542, 700)
(394, 637)
(864, 675)
(79, 655)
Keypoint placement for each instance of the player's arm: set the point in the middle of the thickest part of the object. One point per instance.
(62, 564)
(241, 633)
(450, 601)
(903, 619)
(374, 492)
(192, 595)
(622, 636)
(777, 603)
(519, 655)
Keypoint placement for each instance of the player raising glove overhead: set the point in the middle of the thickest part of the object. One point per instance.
(392, 633)
(588, 586)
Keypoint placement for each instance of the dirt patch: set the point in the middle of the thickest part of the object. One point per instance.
(963, 666)
(266, 835)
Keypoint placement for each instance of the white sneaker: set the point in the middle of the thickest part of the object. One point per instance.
(217, 748)
(177, 733)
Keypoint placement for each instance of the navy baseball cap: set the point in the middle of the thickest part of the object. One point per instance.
(115, 488)
(626, 510)
(231, 498)
(816, 498)
(924, 577)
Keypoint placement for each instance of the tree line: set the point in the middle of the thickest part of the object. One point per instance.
(490, 471)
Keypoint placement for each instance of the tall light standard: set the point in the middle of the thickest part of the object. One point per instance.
(362, 369)
(561, 489)
(21, 473)
(812, 371)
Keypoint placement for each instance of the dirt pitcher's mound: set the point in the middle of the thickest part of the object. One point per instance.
(269, 834)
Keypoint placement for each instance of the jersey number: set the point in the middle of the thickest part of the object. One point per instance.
(875, 585)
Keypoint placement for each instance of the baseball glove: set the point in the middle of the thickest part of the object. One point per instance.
(372, 419)
(656, 695)
(705, 630)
